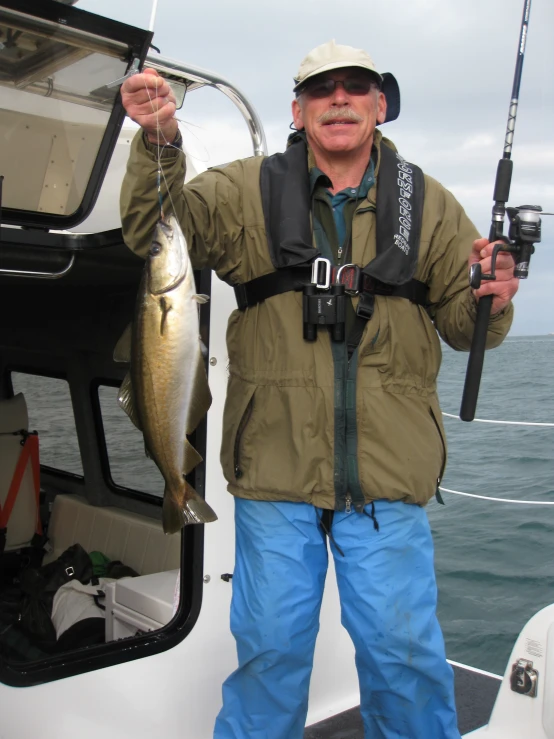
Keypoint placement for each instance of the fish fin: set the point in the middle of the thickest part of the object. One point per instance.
(193, 510)
(201, 397)
(122, 351)
(200, 298)
(126, 399)
(192, 458)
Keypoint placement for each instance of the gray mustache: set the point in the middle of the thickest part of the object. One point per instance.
(331, 115)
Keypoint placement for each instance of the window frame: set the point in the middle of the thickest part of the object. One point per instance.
(89, 659)
(100, 429)
(54, 471)
(79, 661)
(138, 42)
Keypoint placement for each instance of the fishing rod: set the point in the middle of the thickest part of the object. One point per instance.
(524, 232)
(153, 15)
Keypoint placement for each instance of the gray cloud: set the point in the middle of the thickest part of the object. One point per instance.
(454, 62)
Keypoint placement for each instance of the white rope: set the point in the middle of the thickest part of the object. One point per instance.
(508, 423)
(497, 500)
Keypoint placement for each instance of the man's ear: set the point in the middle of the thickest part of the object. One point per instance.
(297, 115)
(381, 108)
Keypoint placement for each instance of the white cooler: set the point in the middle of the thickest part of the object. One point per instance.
(140, 604)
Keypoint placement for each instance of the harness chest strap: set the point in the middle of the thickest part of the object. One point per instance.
(295, 278)
(284, 185)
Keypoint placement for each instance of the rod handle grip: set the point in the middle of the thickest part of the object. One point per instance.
(503, 180)
(476, 359)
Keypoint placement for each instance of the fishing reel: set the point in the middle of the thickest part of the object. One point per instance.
(523, 234)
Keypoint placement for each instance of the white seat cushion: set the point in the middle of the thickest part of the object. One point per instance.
(21, 526)
(135, 540)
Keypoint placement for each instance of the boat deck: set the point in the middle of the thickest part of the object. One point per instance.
(475, 696)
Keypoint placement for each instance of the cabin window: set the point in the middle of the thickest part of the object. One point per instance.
(129, 466)
(51, 414)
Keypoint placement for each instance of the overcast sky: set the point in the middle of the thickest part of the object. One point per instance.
(454, 61)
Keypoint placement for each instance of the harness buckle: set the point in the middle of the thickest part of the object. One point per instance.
(326, 284)
(366, 306)
(349, 275)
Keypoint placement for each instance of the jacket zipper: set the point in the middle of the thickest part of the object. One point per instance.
(242, 425)
(369, 208)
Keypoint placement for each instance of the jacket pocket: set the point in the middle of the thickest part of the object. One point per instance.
(243, 423)
(401, 451)
(238, 411)
(436, 415)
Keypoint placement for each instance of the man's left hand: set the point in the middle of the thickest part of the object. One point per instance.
(505, 286)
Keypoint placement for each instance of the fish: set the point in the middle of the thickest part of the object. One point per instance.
(166, 392)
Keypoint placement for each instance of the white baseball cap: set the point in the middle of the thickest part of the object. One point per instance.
(336, 56)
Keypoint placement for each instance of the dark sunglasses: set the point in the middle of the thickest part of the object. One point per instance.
(324, 87)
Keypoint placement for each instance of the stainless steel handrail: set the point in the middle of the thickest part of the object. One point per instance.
(203, 76)
(41, 275)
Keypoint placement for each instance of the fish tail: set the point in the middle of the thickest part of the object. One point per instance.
(193, 509)
(196, 510)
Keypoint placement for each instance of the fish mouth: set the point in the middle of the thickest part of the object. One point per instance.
(166, 230)
(169, 268)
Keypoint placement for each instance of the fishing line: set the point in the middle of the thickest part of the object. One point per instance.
(189, 154)
(187, 124)
(510, 423)
(160, 172)
(159, 162)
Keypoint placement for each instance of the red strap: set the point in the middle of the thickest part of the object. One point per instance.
(29, 450)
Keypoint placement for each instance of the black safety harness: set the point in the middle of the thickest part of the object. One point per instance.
(286, 200)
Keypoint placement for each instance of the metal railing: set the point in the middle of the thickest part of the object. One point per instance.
(202, 77)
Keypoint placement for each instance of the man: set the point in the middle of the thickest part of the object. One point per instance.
(327, 424)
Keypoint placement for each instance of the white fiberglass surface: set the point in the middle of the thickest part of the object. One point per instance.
(178, 693)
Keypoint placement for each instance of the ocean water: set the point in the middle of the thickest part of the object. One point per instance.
(494, 561)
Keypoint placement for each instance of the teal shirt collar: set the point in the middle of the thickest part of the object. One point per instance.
(317, 177)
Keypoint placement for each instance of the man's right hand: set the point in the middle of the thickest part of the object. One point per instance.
(148, 100)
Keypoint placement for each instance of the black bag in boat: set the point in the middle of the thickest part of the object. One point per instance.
(39, 587)
(10, 606)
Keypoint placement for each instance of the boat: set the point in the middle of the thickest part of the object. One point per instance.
(67, 290)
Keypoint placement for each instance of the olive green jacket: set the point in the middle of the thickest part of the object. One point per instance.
(278, 426)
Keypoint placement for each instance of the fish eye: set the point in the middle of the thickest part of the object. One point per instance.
(155, 249)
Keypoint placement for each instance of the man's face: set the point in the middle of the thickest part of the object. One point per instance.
(340, 121)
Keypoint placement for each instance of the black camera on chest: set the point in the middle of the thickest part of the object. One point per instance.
(324, 304)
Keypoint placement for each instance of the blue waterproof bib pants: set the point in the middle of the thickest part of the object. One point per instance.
(388, 595)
